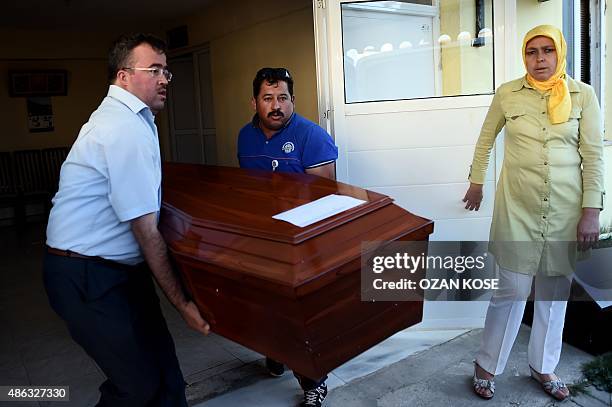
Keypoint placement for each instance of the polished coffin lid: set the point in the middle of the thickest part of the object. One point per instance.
(287, 292)
(223, 216)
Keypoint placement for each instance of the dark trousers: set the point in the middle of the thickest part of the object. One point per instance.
(309, 384)
(113, 312)
(305, 383)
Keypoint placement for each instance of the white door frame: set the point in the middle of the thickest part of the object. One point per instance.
(328, 40)
(333, 111)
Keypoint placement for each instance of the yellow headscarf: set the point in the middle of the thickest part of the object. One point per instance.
(559, 102)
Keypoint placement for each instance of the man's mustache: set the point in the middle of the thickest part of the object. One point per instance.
(276, 113)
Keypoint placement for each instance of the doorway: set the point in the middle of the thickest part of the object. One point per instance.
(412, 135)
(191, 113)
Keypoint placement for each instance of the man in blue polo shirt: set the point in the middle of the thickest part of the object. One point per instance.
(278, 139)
(103, 241)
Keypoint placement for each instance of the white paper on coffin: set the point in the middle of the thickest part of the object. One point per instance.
(320, 209)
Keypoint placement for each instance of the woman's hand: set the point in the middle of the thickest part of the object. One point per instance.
(588, 228)
(473, 197)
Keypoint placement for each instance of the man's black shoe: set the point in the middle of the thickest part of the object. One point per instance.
(275, 368)
(315, 397)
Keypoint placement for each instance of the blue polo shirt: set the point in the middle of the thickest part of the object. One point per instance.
(111, 176)
(300, 145)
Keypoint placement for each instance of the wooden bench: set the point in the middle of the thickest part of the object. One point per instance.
(52, 159)
(9, 197)
(30, 177)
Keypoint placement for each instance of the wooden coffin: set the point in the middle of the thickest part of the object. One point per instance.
(286, 292)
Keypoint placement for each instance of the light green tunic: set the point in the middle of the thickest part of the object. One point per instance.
(550, 172)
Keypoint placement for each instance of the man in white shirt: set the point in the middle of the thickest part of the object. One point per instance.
(103, 242)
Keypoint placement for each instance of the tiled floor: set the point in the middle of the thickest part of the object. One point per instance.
(284, 391)
(35, 348)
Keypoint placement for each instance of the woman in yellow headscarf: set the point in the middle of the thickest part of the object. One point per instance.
(549, 193)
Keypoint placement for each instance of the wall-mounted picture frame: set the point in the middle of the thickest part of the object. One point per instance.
(52, 82)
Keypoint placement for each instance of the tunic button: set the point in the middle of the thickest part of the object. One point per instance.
(544, 128)
(543, 112)
(543, 217)
(545, 199)
(545, 162)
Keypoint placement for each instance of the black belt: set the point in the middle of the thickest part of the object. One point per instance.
(69, 253)
(98, 259)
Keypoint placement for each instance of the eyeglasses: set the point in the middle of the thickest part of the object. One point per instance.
(274, 73)
(155, 72)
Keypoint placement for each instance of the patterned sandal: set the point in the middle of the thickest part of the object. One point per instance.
(553, 387)
(480, 386)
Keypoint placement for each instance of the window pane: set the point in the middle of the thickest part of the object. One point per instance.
(417, 49)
